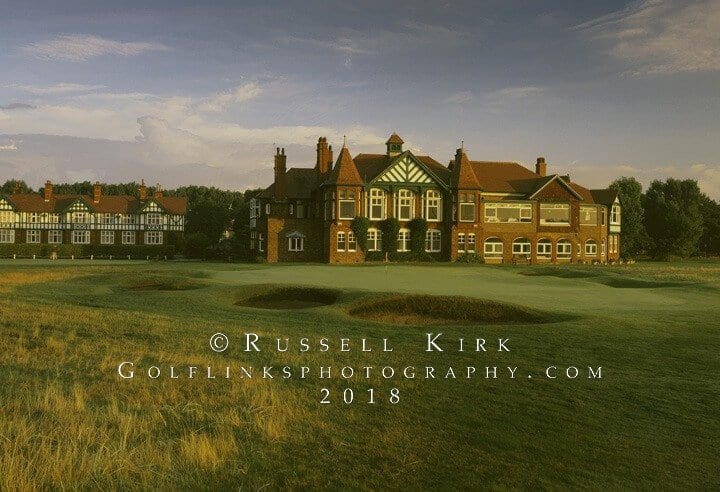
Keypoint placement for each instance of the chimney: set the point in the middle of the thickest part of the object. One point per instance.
(97, 192)
(323, 163)
(541, 167)
(280, 169)
(143, 191)
(158, 191)
(48, 194)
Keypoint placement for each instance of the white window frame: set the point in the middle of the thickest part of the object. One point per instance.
(561, 247)
(522, 248)
(524, 212)
(341, 243)
(433, 241)
(267, 209)
(351, 242)
(433, 201)
(34, 218)
(7, 236)
(591, 247)
(374, 240)
(55, 236)
(107, 237)
(32, 236)
(260, 240)
(544, 248)
(465, 202)
(470, 243)
(153, 238)
(377, 198)
(80, 236)
(403, 240)
(615, 214)
(493, 247)
(405, 201)
(584, 211)
(296, 243)
(153, 218)
(461, 242)
(555, 206)
(129, 237)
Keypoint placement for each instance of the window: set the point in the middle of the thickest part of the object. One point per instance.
(34, 218)
(604, 213)
(590, 248)
(521, 246)
(615, 215)
(378, 201)
(153, 219)
(461, 243)
(81, 237)
(347, 204)
(432, 241)
(374, 240)
(352, 242)
(292, 209)
(254, 208)
(7, 217)
(471, 243)
(433, 206)
(79, 217)
(508, 212)
(588, 215)
(128, 237)
(153, 237)
(260, 241)
(127, 219)
(405, 205)
(564, 248)
(54, 237)
(341, 246)
(7, 235)
(108, 219)
(493, 248)
(404, 240)
(32, 236)
(544, 248)
(300, 209)
(467, 207)
(267, 209)
(52, 218)
(253, 235)
(555, 214)
(107, 237)
(602, 247)
(296, 242)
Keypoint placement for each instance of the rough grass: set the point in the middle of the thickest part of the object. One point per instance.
(163, 283)
(429, 310)
(68, 422)
(293, 297)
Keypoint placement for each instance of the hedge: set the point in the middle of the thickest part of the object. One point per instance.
(86, 250)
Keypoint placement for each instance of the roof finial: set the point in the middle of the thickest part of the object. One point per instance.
(344, 141)
(462, 145)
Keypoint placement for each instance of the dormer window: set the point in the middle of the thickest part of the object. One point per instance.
(394, 145)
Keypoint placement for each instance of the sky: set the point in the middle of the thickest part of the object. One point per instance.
(178, 92)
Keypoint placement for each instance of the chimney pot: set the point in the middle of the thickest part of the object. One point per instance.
(48, 194)
(541, 167)
(97, 192)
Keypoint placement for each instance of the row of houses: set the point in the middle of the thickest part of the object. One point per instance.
(54, 219)
(500, 210)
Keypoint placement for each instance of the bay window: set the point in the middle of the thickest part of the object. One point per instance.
(555, 214)
(508, 212)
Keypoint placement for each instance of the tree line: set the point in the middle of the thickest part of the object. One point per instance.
(671, 219)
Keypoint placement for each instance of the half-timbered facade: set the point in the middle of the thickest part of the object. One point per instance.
(105, 220)
(501, 210)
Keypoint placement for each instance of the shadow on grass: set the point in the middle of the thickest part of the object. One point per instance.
(163, 283)
(290, 298)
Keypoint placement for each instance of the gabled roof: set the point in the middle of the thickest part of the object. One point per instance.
(505, 177)
(118, 204)
(299, 183)
(370, 166)
(463, 174)
(344, 172)
(394, 139)
(563, 182)
(605, 197)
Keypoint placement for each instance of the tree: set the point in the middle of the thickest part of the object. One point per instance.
(15, 186)
(360, 226)
(418, 230)
(209, 218)
(673, 219)
(634, 236)
(710, 239)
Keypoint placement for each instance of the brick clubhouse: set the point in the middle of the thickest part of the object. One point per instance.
(502, 211)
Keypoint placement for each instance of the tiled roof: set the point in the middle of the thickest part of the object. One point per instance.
(506, 177)
(369, 166)
(345, 172)
(121, 204)
(606, 197)
(395, 139)
(299, 183)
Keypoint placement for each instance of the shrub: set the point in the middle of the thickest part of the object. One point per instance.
(390, 229)
(86, 250)
(470, 258)
(360, 226)
(418, 230)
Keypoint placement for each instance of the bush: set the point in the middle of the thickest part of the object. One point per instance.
(390, 229)
(196, 245)
(418, 231)
(86, 251)
(360, 226)
(470, 258)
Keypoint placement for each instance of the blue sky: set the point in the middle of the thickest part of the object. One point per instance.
(181, 92)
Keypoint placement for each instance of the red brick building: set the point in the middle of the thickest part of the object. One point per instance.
(46, 221)
(500, 210)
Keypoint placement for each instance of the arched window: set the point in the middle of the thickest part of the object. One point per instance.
(405, 205)
(296, 241)
(377, 204)
(521, 246)
(493, 248)
(564, 248)
(433, 206)
(374, 240)
(404, 240)
(590, 247)
(544, 248)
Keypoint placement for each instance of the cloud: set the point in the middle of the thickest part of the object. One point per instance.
(8, 147)
(661, 37)
(16, 106)
(237, 95)
(462, 97)
(80, 48)
(64, 88)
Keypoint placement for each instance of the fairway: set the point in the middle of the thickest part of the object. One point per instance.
(641, 412)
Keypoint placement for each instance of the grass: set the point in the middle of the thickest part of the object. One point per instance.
(68, 421)
(290, 297)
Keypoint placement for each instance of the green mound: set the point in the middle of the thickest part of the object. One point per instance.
(636, 283)
(164, 284)
(291, 298)
(560, 272)
(428, 310)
